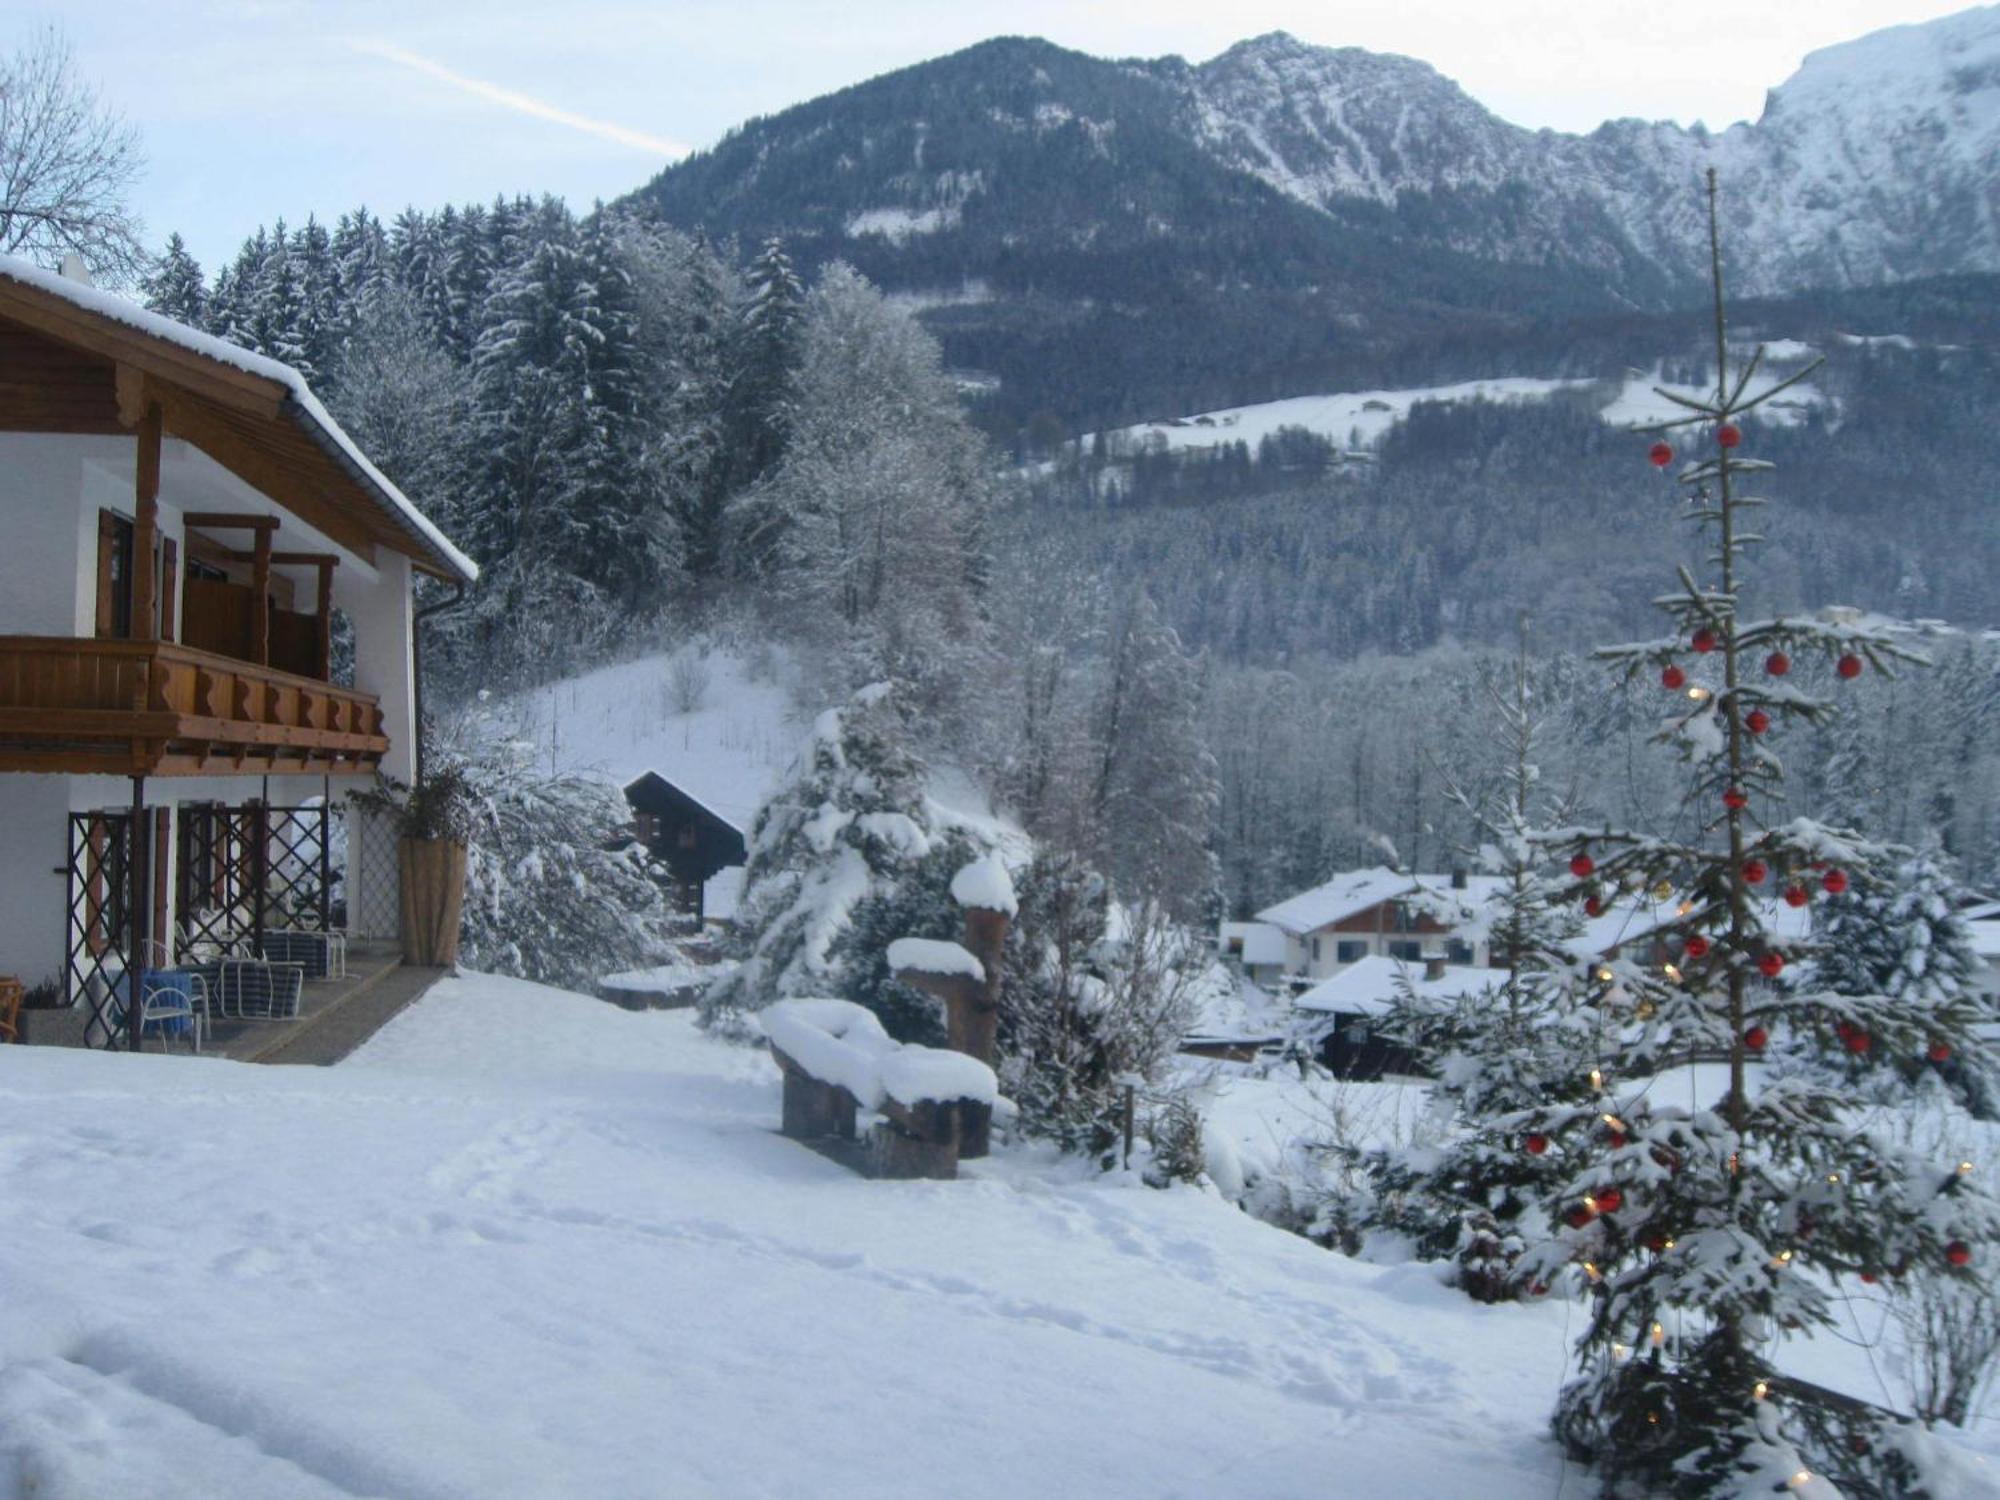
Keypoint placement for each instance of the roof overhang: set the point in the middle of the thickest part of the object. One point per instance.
(108, 359)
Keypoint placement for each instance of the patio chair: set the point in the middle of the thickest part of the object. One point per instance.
(255, 989)
(168, 1006)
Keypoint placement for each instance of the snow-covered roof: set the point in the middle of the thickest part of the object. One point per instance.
(1985, 937)
(299, 403)
(1357, 890)
(1370, 985)
(1632, 918)
(1261, 942)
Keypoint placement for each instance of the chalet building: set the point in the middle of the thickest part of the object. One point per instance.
(692, 840)
(188, 536)
(1376, 913)
(1346, 1010)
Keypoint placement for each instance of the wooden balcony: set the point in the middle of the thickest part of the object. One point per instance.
(148, 708)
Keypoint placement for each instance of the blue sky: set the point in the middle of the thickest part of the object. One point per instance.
(252, 109)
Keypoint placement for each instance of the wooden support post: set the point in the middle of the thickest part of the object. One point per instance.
(145, 524)
(260, 601)
(324, 666)
(135, 955)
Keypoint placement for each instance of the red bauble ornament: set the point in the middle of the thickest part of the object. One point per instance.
(1728, 435)
(1940, 1052)
(1696, 946)
(1609, 1200)
(1756, 721)
(1657, 1243)
(1771, 965)
(1777, 664)
(1735, 799)
(1673, 678)
(1795, 895)
(1593, 906)
(1958, 1253)
(1618, 1139)
(1539, 1289)
(1857, 1041)
(1661, 454)
(1581, 866)
(1703, 640)
(1756, 1038)
(1870, 1277)
(1848, 667)
(1580, 1216)
(1835, 882)
(1754, 871)
(1536, 1144)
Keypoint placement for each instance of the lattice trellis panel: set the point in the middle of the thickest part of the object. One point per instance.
(100, 893)
(374, 885)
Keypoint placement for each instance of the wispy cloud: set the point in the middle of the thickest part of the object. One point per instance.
(638, 140)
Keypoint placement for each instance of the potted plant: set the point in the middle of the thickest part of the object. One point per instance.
(432, 820)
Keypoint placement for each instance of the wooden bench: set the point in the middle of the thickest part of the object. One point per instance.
(838, 1060)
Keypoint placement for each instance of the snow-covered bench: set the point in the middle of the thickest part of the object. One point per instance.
(837, 1059)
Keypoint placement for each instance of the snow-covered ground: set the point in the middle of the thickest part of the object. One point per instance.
(527, 1244)
(1360, 419)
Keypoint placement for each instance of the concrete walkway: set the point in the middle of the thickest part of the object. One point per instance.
(324, 1039)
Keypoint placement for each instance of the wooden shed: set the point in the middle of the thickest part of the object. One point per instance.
(690, 839)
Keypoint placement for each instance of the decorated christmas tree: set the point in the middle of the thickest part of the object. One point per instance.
(1710, 1208)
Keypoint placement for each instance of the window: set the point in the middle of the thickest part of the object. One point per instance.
(1458, 951)
(114, 577)
(1315, 950)
(1402, 918)
(1350, 951)
(1407, 951)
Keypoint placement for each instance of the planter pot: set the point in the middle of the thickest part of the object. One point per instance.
(433, 872)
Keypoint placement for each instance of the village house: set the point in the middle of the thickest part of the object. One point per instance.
(207, 640)
(1364, 914)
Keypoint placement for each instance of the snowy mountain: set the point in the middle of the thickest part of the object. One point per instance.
(1879, 160)
(1101, 242)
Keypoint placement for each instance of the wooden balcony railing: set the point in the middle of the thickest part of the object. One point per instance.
(148, 708)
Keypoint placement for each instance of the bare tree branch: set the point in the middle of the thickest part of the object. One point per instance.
(66, 165)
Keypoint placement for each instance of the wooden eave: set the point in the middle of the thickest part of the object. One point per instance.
(66, 369)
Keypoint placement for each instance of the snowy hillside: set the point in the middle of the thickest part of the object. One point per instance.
(1360, 419)
(527, 1244)
(727, 750)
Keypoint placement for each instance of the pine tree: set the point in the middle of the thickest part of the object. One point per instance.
(1703, 1230)
(1479, 1195)
(175, 288)
(851, 822)
(767, 342)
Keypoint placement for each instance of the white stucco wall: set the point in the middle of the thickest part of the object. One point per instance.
(34, 895)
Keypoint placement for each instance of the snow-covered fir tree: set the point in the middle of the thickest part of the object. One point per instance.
(175, 287)
(1478, 1194)
(851, 822)
(1703, 1227)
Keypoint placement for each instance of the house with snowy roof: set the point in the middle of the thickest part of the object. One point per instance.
(1342, 1012)
(1379, 913)
(207, 640)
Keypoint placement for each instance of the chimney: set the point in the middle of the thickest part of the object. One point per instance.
(1433, 970)
(1458, 877)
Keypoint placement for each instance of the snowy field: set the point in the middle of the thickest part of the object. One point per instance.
(1359, 420)
(529, 1244)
